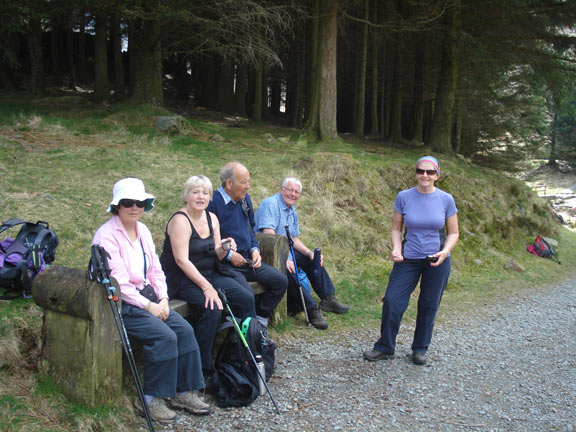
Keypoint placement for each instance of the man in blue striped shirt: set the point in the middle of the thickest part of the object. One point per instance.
(272, 217)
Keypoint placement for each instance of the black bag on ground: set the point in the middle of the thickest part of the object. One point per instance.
(235, 380)
(26, 255)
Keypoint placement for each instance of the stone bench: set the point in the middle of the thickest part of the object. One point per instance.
(82, 350)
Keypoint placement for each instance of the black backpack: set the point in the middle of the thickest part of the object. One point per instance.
(235, 380)
(26, 255)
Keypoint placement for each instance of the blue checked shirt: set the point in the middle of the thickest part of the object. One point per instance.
(273, 213)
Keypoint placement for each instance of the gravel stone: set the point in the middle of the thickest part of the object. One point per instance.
(509, 366)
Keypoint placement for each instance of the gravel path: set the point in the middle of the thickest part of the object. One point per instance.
(505, 367)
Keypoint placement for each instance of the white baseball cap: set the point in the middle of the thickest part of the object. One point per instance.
(131, 188)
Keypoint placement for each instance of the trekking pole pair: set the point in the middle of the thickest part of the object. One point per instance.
(245, 343)
(300, 288)
(98, 270)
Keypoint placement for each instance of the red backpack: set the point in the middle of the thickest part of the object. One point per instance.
(541, 248)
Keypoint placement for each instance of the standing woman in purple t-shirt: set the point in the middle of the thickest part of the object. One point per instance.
(428, 218)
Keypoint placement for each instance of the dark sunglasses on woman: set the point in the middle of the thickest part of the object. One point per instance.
(130, 202)
(429, 172)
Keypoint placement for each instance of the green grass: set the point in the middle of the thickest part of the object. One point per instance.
(59, 159)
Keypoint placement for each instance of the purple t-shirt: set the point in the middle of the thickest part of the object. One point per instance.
(424, 220)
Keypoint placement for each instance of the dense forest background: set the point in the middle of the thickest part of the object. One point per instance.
(490, 79)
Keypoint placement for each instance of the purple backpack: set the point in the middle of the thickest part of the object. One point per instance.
(24, 256)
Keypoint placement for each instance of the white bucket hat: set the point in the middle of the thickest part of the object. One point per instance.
(131, 188)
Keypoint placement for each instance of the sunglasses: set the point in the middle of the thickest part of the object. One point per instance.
(429, 172)
(130, 202)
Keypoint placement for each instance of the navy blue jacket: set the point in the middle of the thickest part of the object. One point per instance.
(236, 221)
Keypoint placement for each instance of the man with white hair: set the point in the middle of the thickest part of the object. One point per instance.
(272, 217)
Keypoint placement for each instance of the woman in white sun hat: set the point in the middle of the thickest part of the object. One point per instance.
(172, 365)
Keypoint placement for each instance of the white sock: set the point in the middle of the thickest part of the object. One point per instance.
(148, 398)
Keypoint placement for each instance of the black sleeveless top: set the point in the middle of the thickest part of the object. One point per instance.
(201, 253)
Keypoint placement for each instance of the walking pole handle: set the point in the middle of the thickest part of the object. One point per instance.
(222, 295)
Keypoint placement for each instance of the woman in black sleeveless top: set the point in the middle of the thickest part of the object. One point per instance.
(192, 248)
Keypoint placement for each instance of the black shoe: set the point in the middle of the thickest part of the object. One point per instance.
(419, 358)
(375, 355)
(331, 304)
(316, 318)
(210, 387)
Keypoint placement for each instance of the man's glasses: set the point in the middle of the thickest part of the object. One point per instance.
(429, 172)
(130, 202)
(292, 191)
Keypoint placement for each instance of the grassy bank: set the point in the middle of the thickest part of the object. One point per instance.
(60, 158)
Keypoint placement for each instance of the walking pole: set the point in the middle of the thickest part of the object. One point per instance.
(525, 219)
(100, 272)
(245, 343)
(291, 243)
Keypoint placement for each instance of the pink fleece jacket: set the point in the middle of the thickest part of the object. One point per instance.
(112, 236)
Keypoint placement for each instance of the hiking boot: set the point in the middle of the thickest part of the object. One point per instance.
(316, 319)
(331, 304)
(191, 402)
(157, 409)
(419, 358)
(375, 355)
(262, 320)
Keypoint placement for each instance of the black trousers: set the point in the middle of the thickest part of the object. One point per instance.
(241, 302)
(275, 283)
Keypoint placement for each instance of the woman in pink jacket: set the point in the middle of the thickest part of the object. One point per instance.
(172, 366)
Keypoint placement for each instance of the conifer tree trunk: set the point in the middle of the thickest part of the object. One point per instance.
(116, 36)
(38, 81)
(298, 105)
(291, 68)
(374, 75)
(258, 91)
(55, 55)
(397, 94)
(325, 127)
(241, 87)
(275, 80)
(328, 87)
(441, 130)
(147, 62)
(360, 93)
(82, 47)
(385, 91)
(70, 51)
(101, 84)
(418, 124)
(226, 88)
(314, 78)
